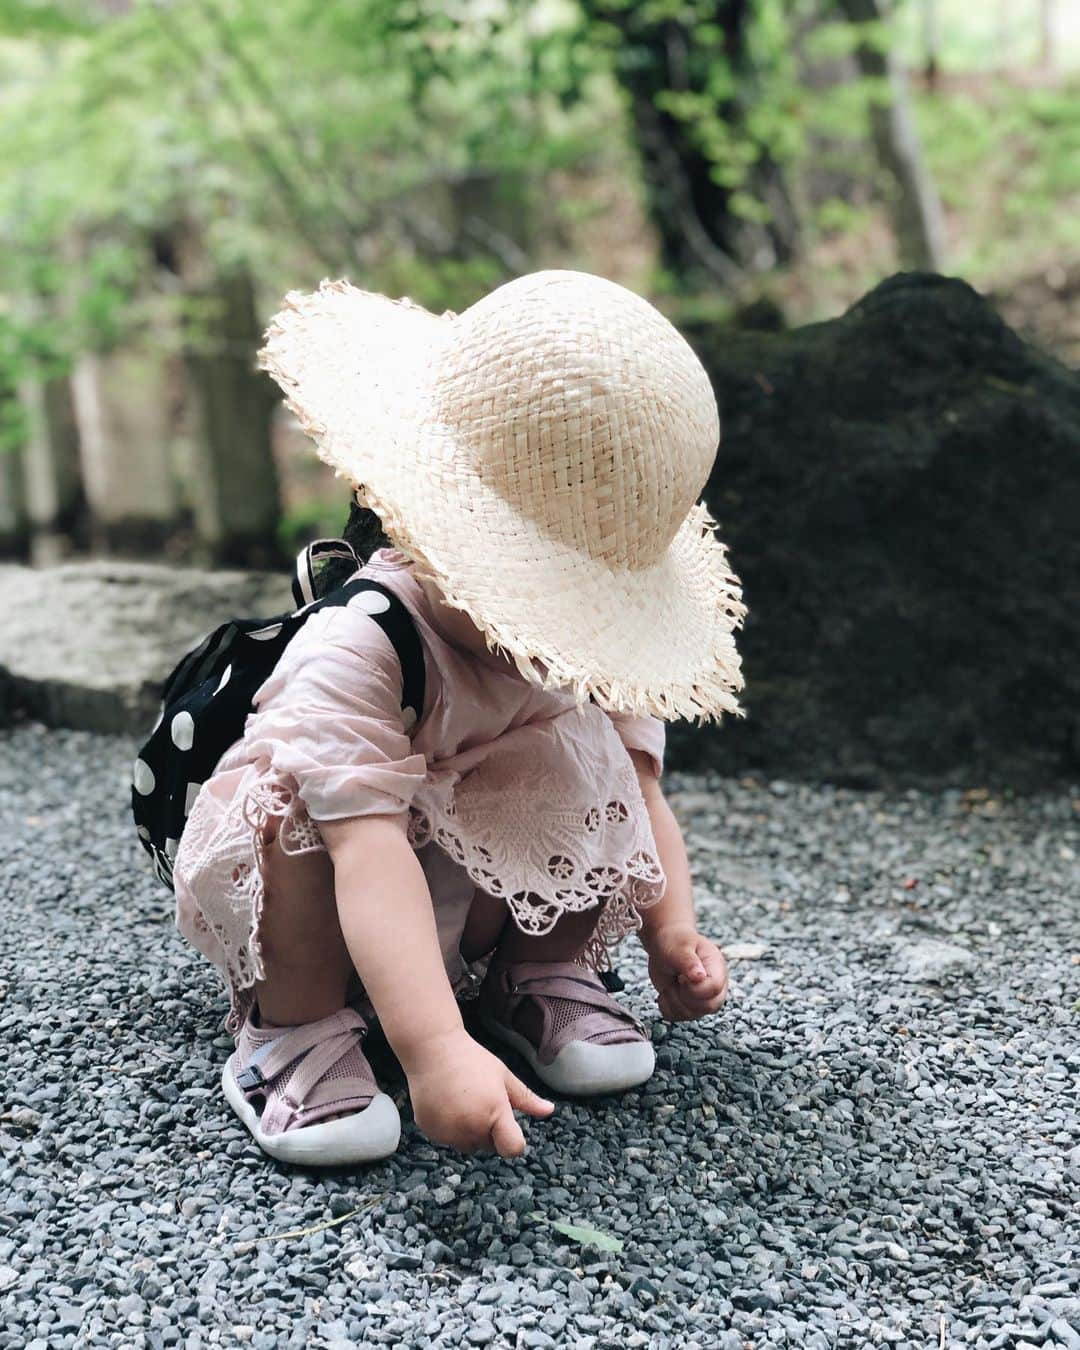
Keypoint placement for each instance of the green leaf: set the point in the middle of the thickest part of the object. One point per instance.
(586, 1237)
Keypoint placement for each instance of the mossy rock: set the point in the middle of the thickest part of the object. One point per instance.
(900, 488)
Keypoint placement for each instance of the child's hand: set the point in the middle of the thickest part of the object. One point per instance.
(688, 971)
(464, 1097)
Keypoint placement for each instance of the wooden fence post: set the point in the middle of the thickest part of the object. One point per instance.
(234, 488)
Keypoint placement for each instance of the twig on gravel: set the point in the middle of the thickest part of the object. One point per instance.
(370, 1203)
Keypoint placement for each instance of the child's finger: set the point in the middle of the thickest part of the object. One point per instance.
(688, 964)
(673, 1007)
(523, 1098)
(717, 967)
(713, 986)
(689, 1002)
(506, 1136)
(699, 991)
(702, 1007)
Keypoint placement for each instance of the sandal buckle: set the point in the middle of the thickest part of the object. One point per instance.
(250, 1079)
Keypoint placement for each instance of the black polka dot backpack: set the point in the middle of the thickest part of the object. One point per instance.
(207, 698)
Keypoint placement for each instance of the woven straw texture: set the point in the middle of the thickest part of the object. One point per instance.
(539, 457)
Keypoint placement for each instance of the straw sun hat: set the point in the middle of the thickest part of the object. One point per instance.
(539, 457)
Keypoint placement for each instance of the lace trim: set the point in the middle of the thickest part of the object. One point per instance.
(546, 861)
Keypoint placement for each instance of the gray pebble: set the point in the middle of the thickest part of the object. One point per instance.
(932, 1113)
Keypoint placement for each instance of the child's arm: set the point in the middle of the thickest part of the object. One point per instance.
(462, 1096)
(687, 969)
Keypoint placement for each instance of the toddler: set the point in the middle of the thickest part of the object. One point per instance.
(535, 464)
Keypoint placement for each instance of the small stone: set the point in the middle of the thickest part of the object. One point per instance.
(24, 1117)
(534, 1339)
(403, 1260)
(930, 960)
(438, 1252)
(763, 1299)
(744, 951)
(130, 1307)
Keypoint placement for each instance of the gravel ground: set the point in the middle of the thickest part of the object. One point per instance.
(877, 1143)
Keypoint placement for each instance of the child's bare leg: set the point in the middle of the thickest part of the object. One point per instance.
(489, 923)
(484, 925)
(305, 960)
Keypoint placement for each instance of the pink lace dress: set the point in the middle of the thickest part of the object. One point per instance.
(496, 783)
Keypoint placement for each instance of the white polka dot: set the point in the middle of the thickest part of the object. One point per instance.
(371, 602)
(265, 634)
(225, 675)
(143, 778)
(183, 730)
(171, 845)
(189, 798)
(408, 718)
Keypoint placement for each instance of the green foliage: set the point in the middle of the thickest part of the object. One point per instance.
(737, 108)
(301, 139)
(318, 518)
(1008, 161)
(294, 139)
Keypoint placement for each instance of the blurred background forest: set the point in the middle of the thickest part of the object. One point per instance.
(169, 169)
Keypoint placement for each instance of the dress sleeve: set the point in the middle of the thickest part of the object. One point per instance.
(642, 733)
(329, 719)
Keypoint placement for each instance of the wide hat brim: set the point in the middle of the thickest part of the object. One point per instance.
(356, 368)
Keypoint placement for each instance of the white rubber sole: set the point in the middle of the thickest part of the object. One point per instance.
(362, 1137)
(581, 1069)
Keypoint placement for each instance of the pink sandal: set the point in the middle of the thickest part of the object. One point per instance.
(308, 1094)
(585, 1043)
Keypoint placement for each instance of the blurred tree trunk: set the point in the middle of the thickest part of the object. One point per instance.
(52, 472)
(918, 219)
(493, 215)
(234, 488)
(701, 236)
(14, 522)
(236, 498)
(931, 43)
(1047, 34)
(125, 453)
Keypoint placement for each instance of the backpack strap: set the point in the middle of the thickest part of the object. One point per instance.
(393, 617)
(303, 583)
(397, 623)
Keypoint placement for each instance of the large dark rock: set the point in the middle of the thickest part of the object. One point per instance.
(901, 491)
